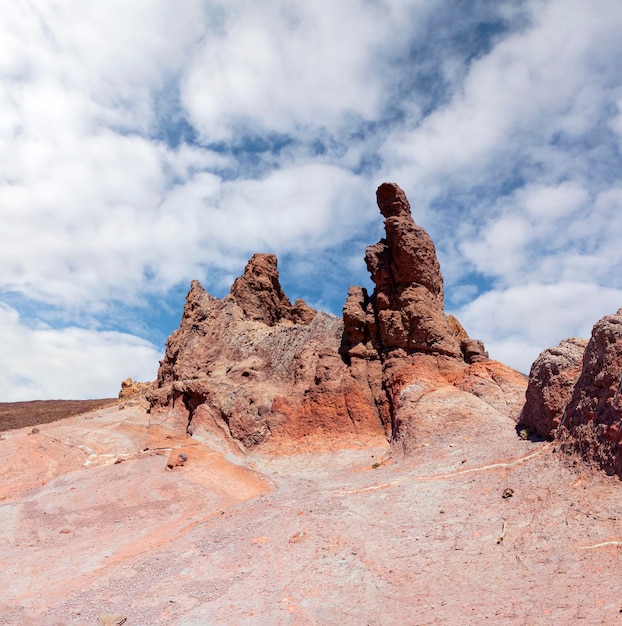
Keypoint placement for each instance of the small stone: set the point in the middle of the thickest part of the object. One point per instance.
(111, 619)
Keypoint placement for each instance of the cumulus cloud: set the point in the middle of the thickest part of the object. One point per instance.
(519, 322)
(521, 107)
(291, 66)
(40, 362)
(145, 146)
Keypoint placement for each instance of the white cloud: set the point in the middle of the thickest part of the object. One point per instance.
(551, 234)
(506, 145)
(560, 75)
(286, 66)
(38, 362)
(517, 323)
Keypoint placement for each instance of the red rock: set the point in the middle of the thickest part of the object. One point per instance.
(551, 381)
(593, 417)
(253, 367)
(408, 298)
(403, 327)
(258, 293)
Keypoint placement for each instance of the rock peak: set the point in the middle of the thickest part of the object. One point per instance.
(259, 294)
(392, 200)
(406, 311)
(257, 368)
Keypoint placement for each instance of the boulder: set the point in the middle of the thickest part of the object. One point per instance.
(132, 389)
(593, 420)
(551, 381)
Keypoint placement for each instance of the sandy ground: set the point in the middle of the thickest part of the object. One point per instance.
(94, 523)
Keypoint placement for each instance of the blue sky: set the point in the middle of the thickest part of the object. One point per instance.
(146, 143)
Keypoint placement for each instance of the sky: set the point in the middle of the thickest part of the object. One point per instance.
(144, 144)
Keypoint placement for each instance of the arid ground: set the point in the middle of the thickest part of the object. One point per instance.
(478, 526)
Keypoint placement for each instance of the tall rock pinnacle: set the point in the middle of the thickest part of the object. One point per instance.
(406, 310)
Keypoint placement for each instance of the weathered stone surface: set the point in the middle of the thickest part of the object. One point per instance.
(551, 381)
(403, 326)
(131, 388)
(259, 295)
(254, 367)
(408, 298)
(496, 384)
(593, 420)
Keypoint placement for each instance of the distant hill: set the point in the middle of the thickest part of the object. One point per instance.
(20, 414)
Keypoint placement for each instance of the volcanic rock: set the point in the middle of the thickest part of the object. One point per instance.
(575, 395)
(408, 297)
(251, 365)
(131, 388)
(254, 367)
(258, 293)
(403, 325)
(593, 420)
(551, 382)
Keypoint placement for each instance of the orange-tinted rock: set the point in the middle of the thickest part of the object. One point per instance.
(403, 325)
(498, 385)
(251, 366)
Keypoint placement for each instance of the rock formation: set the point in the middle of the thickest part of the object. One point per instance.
(133, 389)
(406, 310)
(551, 381)
(253, 366)
(575, 395)
(594, 413)
(403, 325)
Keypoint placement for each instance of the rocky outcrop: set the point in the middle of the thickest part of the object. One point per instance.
(403, 325)
(259, 295)
(575, 394)
(251, 365)
(551, 382)
(133, 389)
(254, 366)
(593, 420)
(406, 310)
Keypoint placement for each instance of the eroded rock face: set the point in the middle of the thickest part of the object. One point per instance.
(403, 325)
(408, 298)
(252, 366)
(259, 295)
(575, 394)
(551, 382)
(593, 418)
